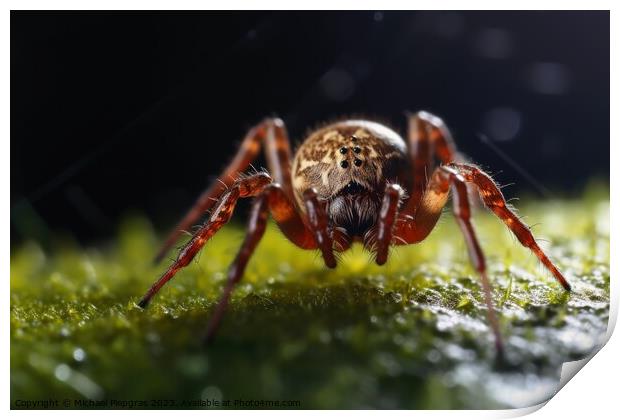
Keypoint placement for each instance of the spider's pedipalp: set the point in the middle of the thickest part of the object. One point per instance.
(319, 224)
(386, 221)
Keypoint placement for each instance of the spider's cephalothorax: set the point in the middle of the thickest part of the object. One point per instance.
(351, 180)
(348, 164)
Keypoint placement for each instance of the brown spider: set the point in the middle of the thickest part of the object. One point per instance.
(353, 180)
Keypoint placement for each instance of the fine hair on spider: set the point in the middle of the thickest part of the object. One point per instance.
(352, 180)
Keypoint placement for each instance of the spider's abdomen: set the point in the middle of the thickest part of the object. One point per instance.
(348, 163)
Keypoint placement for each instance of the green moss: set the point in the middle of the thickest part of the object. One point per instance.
(411, 334)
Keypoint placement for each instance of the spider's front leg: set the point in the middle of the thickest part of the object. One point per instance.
(270, 198)
(494, 200)
(428, 137)
(274, 200)
(246, 187)
(270, 134)
(256, 228)
(408, 229)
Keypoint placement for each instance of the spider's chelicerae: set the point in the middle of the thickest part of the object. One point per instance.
(353, 180)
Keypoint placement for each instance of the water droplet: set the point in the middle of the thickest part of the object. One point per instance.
(79, 354)
(211, 393)
(62, 372)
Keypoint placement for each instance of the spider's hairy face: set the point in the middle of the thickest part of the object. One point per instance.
(348, 163)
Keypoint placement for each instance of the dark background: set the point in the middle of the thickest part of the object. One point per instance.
(111, 112)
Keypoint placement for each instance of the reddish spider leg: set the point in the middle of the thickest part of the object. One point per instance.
(280, 206)
(245, 187)
(387, 217)
(271, 133)
(431, 129)
(426, 135)
(318, 221)
(277, 199)
(495, 201)
(271, 198)
(274, 200)
(426, 203)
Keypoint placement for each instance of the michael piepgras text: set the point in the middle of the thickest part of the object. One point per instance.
(153, 403)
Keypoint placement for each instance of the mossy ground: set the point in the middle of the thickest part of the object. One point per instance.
(411, 334)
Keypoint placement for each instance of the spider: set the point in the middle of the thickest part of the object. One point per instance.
(350, 181)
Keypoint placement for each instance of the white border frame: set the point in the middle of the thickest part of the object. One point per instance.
(591, 394)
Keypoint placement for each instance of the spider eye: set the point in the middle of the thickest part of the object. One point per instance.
(343, 150)
(344, 164)
(357, 149)
(358, 162)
